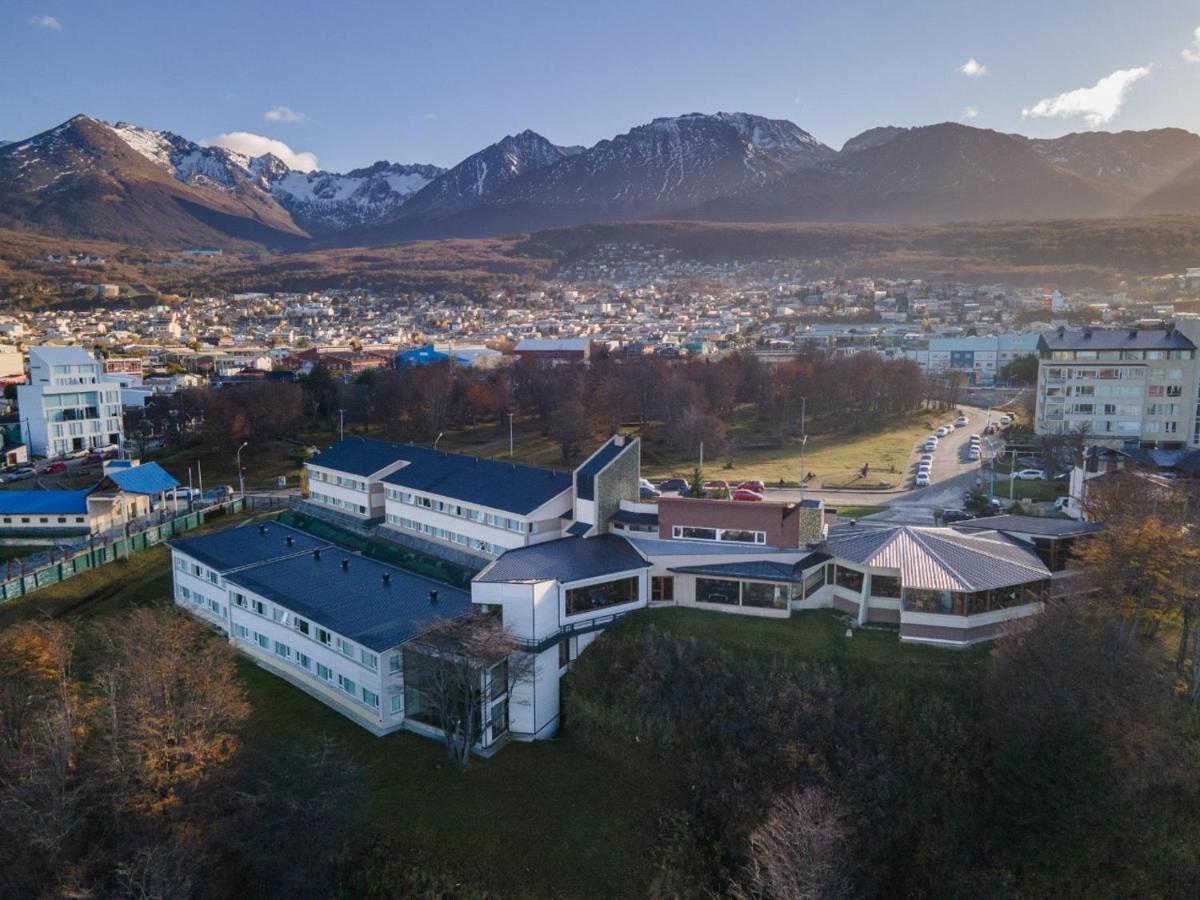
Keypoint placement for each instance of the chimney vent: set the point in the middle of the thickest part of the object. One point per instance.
(1087, 332)
(262, 529)
(345, 565)
(1133, 332)
(387, 578)
(433, 598)
(288, 540)
(317, 553)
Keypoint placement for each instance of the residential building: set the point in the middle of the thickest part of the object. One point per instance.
(1138, 386)
(68, 405)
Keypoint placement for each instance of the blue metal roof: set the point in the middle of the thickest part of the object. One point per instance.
(486, 482)
(355, 601)
(602, 457)
(565, 560)
(44, 503)
(758, 570)
(625, 517)
(360, 456)
(655, 546)
(579, 529)
(420, 356)
(233, 548)
(148, 478)
(1115, 339)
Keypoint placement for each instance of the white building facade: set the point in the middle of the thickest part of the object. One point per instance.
(68, 405)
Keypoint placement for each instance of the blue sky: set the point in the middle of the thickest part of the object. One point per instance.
(352, 82)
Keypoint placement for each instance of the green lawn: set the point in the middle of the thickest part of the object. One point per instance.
(857, 512)
(263, 462)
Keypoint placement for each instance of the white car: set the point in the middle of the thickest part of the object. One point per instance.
(960, 422)
(942, 432)
(922, 479)
(1030, 475)
(931, 445)
(926, 457)
(973, 454)
(976, 439)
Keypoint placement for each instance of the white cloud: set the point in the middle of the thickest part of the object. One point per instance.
(431, 117)
(249, 144)
(1097, 104)
(1191, 53)
(970, 113)
(48, 22)
(973, 68)
(283, 114)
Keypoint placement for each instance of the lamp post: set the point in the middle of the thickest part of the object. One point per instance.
(510, 435)
(241, 475)
(438, 438)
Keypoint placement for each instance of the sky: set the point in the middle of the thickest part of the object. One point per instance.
(340, 85)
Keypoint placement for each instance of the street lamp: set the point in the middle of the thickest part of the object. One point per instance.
(241, 475)
(438, 438)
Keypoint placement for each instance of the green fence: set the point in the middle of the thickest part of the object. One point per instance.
(110, 551)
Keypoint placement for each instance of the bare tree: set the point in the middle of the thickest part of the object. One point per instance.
(461, 666)
(797, 851)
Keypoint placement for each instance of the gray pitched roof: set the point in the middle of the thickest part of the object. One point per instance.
(355, 601)
(1114, 339)
(564, 560)
(1042, 526)
(940, 558)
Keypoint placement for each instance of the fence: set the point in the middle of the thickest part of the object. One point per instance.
(99, 553)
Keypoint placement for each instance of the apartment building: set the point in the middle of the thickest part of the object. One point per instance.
(1133, 386)
(69, 404)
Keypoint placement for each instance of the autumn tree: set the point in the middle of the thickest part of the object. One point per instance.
(799, 850)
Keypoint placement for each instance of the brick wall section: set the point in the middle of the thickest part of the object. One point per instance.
(780, 521)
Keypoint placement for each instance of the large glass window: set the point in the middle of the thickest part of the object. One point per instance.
(814, 581)
(662, 588)
(767, 596)
(717, 590)
(848, 578)
(885, 586)
(600, 596)
(946, 603)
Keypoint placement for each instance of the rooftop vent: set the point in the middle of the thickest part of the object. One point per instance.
(387, 578)
(1133, 332)
(433, 598)
(1062, 329)
(345, 565)
(288, 540)
(262, 529)
(317, 553)
(1087, 332)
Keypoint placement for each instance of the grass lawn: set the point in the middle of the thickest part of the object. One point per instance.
(545, 819)
(263, 462)
(857, 512)
(875, 656)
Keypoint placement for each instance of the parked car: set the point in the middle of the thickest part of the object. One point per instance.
(649, 493)
(743, 494)
(182, 494)
(99, 454)
(942, 432)
(926, 457)
(220, 494)
(1061, 503)
(76, 454)
(51, 468)
(21, 473)
(976, 439)
(645, 485)
(1030, 475)
(922, 479)
(950, 516)
(931, 445)
(673, 484)
(753, 485)
(973, 454)
(716, 485)
(998, 504)
(960, 422)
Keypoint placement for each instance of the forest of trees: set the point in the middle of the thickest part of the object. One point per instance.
(691, 401)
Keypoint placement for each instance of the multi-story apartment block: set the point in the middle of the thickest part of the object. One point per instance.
(68, 404)
(1138, 386)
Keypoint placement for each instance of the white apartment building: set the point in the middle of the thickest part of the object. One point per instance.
(1134, 385)
(68, 404)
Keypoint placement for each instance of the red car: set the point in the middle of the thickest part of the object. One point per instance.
(716, 485)
(757, 486)
(743, 494)
(54, 467)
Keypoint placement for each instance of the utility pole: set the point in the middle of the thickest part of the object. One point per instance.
(200, 478)
(510, 435)
(241, 474)
(803, 444)
(1012, 471)
(341, 424)
(702, 456)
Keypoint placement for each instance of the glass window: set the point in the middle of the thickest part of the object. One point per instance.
(885, 586)
(662, 588)
(370, 698)
(564, 652)
(324, 672)
(499, 719)
(717, 590)
(600, 596)
(394, 663)
(370, 660)
(848, 578)
(397, 704)
(764, 596)
(347, 685)
(687, 532)
(814, 581)
(283, 650)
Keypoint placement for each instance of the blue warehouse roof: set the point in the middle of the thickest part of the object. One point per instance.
(565, 560)
(355, 601)
(359, 456)
(148, 478)
(44, 503)
(233, 548)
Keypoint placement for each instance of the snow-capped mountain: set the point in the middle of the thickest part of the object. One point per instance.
(320, 202)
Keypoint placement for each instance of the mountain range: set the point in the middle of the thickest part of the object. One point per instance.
(127, 183)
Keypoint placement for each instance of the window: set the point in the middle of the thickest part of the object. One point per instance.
(278, 614)
(262, 640)
(885, 586)
(394, 663)
(344, 647)
(259, 607)
(848, 578)
(324, 673)
(600, 596)
(347, 685)
(370, 698)
(397, 704)
(303, 661)
(301, 625)
(499, 719)
(370, 660)
(499, 680)
(283, 650)
(564, 652)
(242, 632)
(214, 578)
(717, 590)
(814, 581)
(662, 588)
(238, 599)
(764, 596)
(688, 533)
(324, 636)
